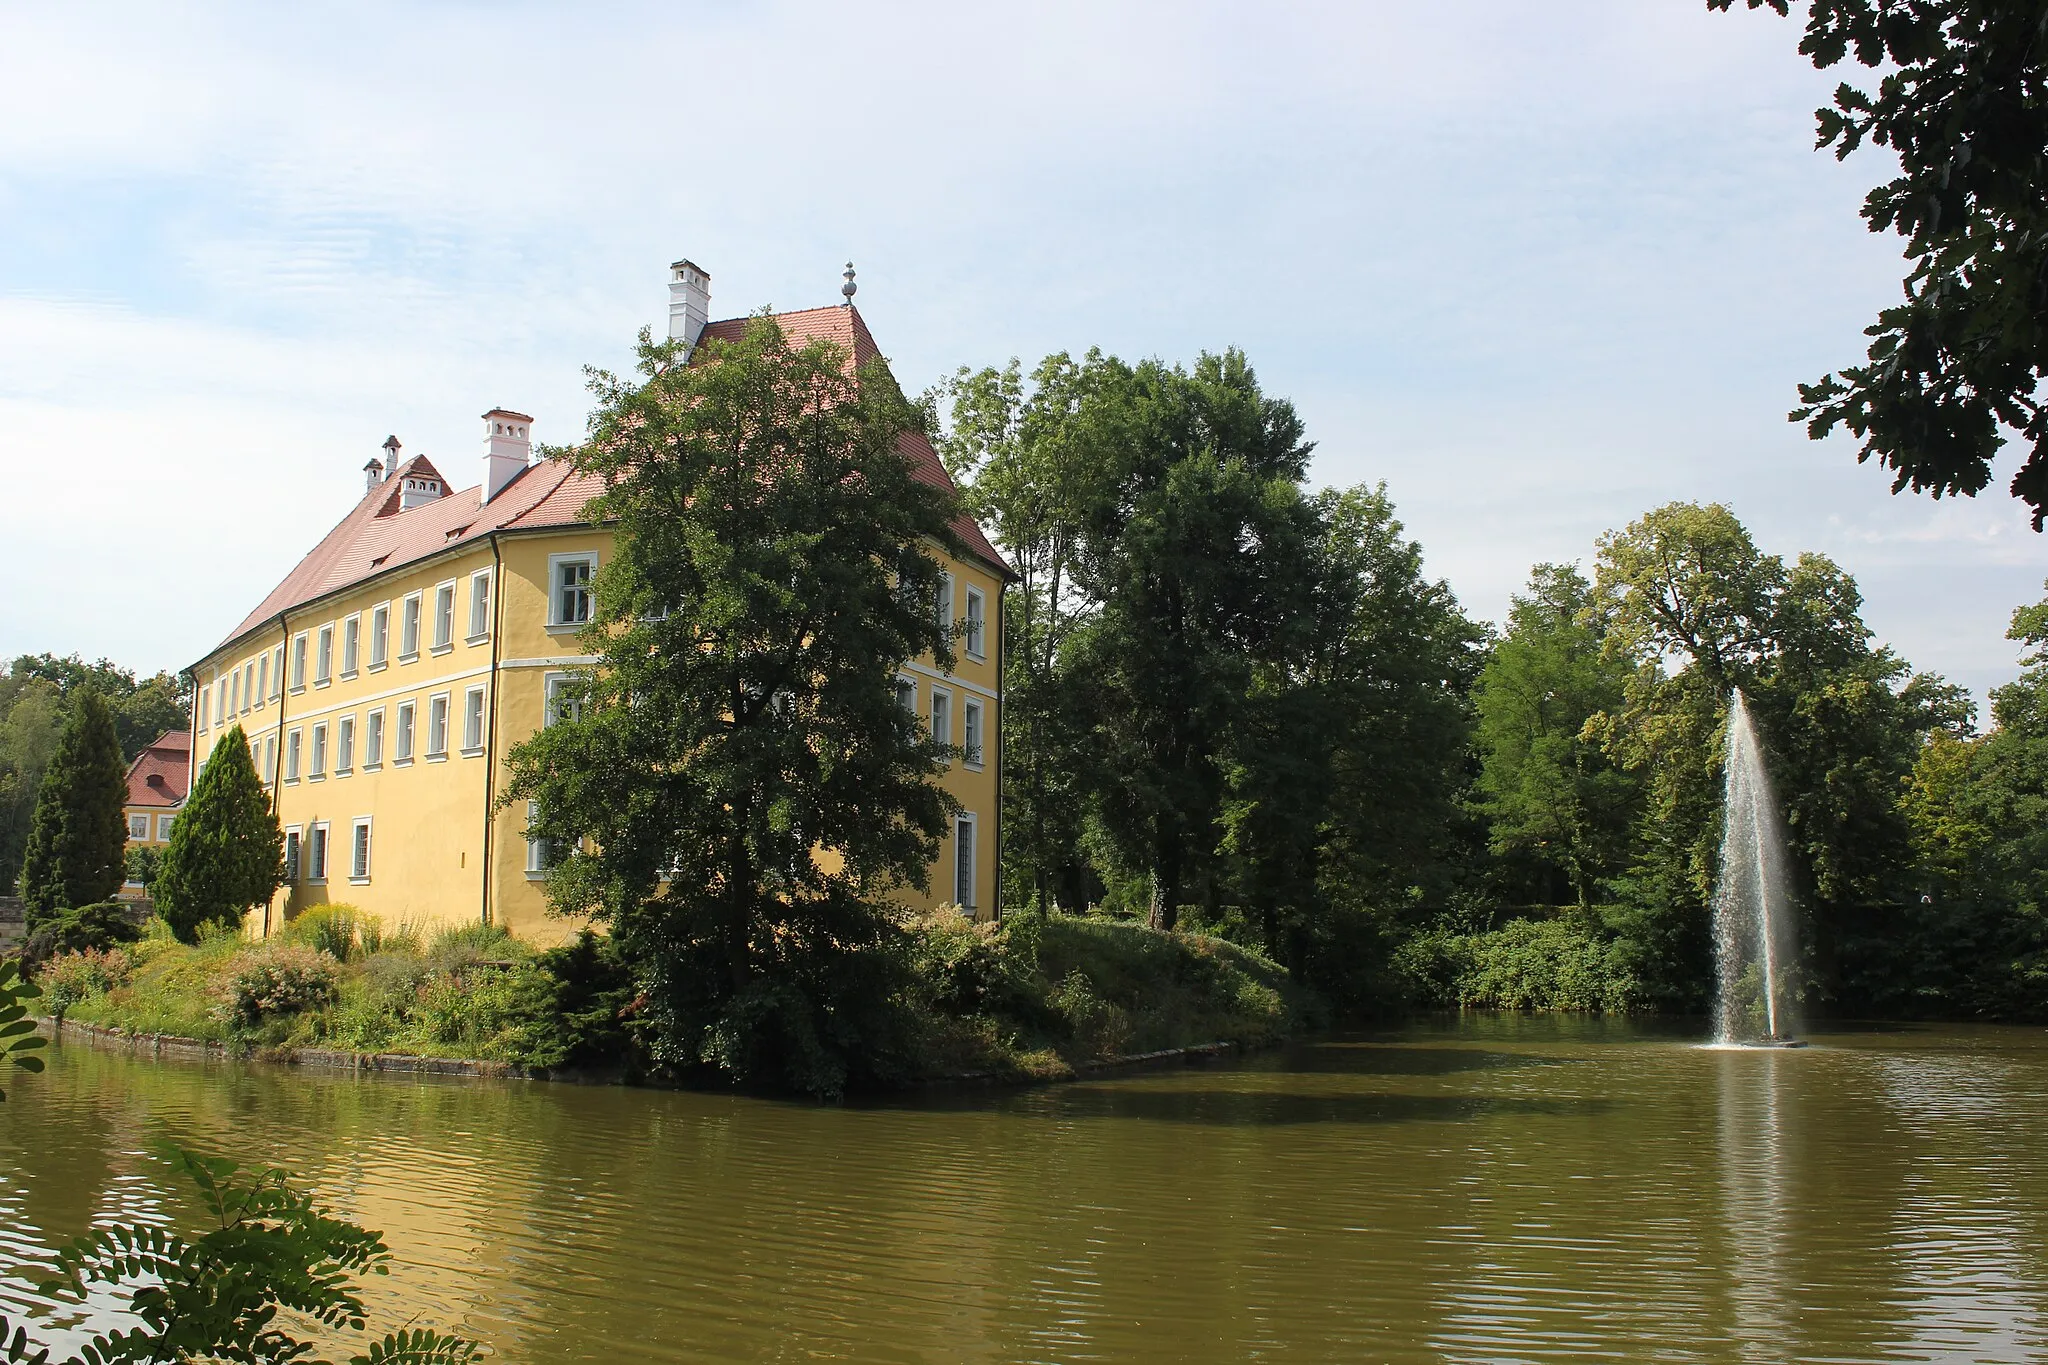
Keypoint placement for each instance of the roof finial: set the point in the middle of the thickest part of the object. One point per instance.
(849, 288)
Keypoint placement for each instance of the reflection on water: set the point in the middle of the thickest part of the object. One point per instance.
(1497, 1189)
(1750, 1149)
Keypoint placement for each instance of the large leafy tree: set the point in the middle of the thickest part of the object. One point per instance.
(1696, 609)
(77, 838)
(226, 854)
(1955, 369)
(1029, 461)
(740, 794)
(1557, 804)
(1202, 557)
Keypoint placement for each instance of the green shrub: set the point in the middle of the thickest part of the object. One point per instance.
(1527, 964)
(276, 980)
(575, 1007)
(331, 929)
(1097, 1028)
(101, 925)
(71, 977)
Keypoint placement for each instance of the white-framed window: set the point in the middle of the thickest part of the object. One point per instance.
(138, 827)
(316, 852)
(292, 744)
(942, 716)
(970, 733)
(963, 860)
(906, 693)
(263, 678)
(380, 635)
(277, 676)
(564, 701)
(344, 746)
(977, 624)
(401, 739)
(373, 739)
(479, 606)
(473, 721)
(359, 850)
(351, 644)
(437, 725)
(409, 630)
(323, 658)
(569, 589)
(234, 691)
(201, 710)
(293, 851)
(539, 852)
(163, 828)
(944, 614)
(444, 618)
(248, 687)
(317, 769)
(220, 703)
(270, 758)
(299, 662)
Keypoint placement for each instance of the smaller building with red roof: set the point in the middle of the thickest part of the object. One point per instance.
(158, 781)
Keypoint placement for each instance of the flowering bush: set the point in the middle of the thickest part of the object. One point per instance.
(70, 977)
(276, 979)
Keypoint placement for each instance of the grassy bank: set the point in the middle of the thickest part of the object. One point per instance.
(1031, 997)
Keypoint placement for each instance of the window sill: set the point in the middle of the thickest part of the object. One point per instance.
(316, 777)
(437, 758)
(358, 881)
(477, 752)
(533, 876)
(323, 683)
(482, 639)
(291, 781)
(438, 650)
(299, 690)
(344, 772)
(566, 627)
(411, 658)
(401, 763)
(378, 766)
(975, 767)
(348, 675)
(379, 667)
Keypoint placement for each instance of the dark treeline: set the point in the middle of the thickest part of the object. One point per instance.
(37, 694)
(1236, 703)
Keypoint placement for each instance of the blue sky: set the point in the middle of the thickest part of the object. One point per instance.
(1539, 268)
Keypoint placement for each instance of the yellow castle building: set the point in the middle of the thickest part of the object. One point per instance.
(382, 684)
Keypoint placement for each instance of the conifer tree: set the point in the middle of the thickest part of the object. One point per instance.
(226, 853)
(78, 840)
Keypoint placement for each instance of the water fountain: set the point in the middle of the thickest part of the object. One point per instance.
(1753, 941)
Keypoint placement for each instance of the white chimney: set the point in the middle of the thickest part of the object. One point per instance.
(373, 474)
(508, 447)
(689, 302)
(390, 456)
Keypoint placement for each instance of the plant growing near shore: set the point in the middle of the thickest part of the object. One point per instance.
(71, 977)
(735, 788)
(226, 853)
(277, 979)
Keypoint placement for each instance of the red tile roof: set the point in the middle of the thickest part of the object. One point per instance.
(377, 536)
(157, 776)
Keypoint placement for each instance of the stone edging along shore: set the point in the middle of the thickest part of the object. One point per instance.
(172, 1045)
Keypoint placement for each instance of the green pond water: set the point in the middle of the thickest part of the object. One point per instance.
(1491, 1189)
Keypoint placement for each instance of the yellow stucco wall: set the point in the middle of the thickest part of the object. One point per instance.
(428, 817)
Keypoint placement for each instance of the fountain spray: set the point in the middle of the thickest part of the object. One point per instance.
(1753, 903)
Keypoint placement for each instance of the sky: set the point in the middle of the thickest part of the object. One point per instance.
(1539, 268)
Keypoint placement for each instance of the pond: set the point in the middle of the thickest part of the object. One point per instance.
(1493, 1188)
